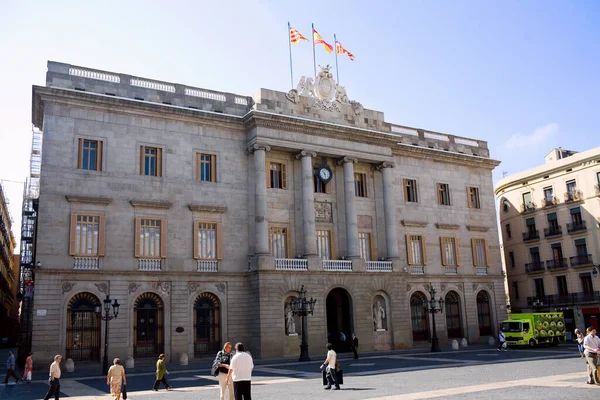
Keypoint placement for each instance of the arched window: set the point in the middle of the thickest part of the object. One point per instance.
(83, 328)
(418, 316)
(207, 328)
(483, 314)
(453, 320)
(148, 326)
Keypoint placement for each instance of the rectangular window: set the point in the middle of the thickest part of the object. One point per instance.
(561, 285)
(150, 239)
(90, 155)
(150, 161)
(417, 253)
(324, 244)
(539, 288)
(581, 247)
(576, 217)
(360, 185)
(207, 244)
(443, 190)
(516, 290)
(552, 221)
(277, 176)
(279, 242)
(449, 246)
(531, 229)
(87, 235)
(366, 250)
(206, 167)
(598, 177)
(527, 199)
(410, 191)
(508, 233)
(548, 195)
(571, 187)
(473, 197)
(511, 259)
(480, 253)
(586, 283)
(557, 253)
(319, 186)
(534, 254)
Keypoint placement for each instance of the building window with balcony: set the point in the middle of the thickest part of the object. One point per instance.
(415, 246)
(531, 232)
(558, 261)
(577, 223)
(508, 232)
(277, 176)
(449, 246)
(587, 286)
(150, 242)
(515, 286)
(549, 199)
(553, 228)
(206, 167)
(527, 205)
(324, 244)
(572, 193)
(360, 185)
(410, 190)
(582, 258)
(561, 286)
(539, 288)
(207, 243)
(511, 259)
(90, 155)
(473, 197)
(536, 264)
(443, 192)
(87, 235)
(479, 248)
(280, 242)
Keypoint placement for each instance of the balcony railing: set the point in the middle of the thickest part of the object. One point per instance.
(149, 264)
(337, 265)
(89, 263)
(565, 299)
(291, 264)
(576, 227)
(575, 195)
(379, 266)
(481, 270)
(528, 207)
(557, 264)
(582, 260)
(553, 231)
(531, 235)
(451, 270)
(550, 202)
(535, 267)
(207, 265)
(416, 270)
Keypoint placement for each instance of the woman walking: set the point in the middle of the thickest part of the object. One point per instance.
(161, 372)
(579, 338)
(28, 368)
(116, 379)
(224, 359)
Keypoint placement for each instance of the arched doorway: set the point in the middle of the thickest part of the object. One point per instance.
(207, 324)
(418, 316)
(148, 326)
(453, 319)
(83, 328)
(483, 314)
(339, 318)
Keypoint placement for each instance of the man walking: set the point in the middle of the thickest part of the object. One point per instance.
(161, 372)
(354, 346)
(54, 378)
(10, 368)
(329, 364)
(502, 340)
(591, 344)
(240, 371)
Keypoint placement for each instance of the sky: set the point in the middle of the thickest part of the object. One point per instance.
(521, 75)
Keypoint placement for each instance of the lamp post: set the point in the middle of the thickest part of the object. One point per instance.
(430, 307)
(537, 304)
(107, 317)
(303, 307)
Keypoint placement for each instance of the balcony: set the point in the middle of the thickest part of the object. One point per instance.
(379, 266)
(531, 235)
(337, 265)
(565, 299)
(83, 263)
(553, 231)
(481, 270)
(207, 266)
(291, 264)
(557, 264)
(149, 264)
(416, 270)
(535, 267)
(527, 207)
(581, 261)
(451, 271)
(550, 202)
(575, 227)
(575, 195)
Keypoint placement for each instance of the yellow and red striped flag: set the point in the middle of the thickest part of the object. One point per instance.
(318, 39)
(340, 50)
(295, 36)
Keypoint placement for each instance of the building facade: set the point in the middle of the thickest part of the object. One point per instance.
(203, 213)
(549, 217)
(8, 279)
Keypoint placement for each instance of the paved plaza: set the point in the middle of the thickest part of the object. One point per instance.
(482, 373)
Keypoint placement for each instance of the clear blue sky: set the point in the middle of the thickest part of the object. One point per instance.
(522, 75)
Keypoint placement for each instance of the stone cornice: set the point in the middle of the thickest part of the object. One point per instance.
(452, 227)
(151, 204)
(415, 224)
(305, 153)
(207, 208)
(477, 228)
(88, 200)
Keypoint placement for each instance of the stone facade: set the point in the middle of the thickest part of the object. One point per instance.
(246, 284)
(9, 271)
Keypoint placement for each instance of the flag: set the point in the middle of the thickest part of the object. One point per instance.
(318, 39)
(295, 36)
(340, 50)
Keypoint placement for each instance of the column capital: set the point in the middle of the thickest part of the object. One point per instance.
(345, 160)
(257, 146)
(305, 153)
(385, 164)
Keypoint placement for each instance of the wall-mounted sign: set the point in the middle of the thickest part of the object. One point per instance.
(41, 313)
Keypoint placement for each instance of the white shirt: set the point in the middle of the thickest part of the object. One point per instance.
(501, 337)
(241, 367)
(54, 370)
(592, 342)
(331, 358)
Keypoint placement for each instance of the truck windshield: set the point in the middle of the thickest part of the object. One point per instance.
(511, 327)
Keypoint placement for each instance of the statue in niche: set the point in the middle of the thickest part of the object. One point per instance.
(378, 315)
(290, 323)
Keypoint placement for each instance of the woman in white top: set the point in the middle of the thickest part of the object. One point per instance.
(579, 338)
(116, 378)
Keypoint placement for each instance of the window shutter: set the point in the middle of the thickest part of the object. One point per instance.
(136, 245)
(213, 168)
(474, 252)
(159, 162)
(424, 244)
(101, 235)
(373, 248)
(99, 156)
(283, 176)
(364, 183)
(73, 235)
(457, 251)
(439, 195)
(405, 190)
(469, 202)
(443, 248)
(332, 245)
(487, 253)
(198, 166)
(163, 238)
(268, 174)
(409, 250)
(80, 154)
(196, 255)
(288, 243)
(142, 151)
(219, 241)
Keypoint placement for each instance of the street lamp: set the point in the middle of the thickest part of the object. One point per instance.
(430, 307)
(595, 270)
(303, 307)
(537, 304)
(107, 317)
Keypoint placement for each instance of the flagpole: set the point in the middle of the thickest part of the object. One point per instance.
(290, 45)
(313, 43)
(337, 72)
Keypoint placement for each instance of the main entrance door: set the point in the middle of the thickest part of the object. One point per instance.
(148, 326)
(207, 324)
(83, 328)
(339, 319)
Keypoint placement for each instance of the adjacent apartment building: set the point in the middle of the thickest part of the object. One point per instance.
(203, 213)
(550, 218)
(8, 280)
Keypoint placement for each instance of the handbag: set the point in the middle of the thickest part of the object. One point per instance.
(124, 392)
(28, 377)
(214, 371)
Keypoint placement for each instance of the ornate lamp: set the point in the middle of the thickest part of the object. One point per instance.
(433, 307)
(303, 308)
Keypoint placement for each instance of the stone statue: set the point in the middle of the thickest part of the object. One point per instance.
(378, 315)
(340, 94)
(306, 87)
(290, 323)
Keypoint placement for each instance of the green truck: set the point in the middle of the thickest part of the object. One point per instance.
(534, 329)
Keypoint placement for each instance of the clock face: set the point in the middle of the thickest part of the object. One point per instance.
(325, 174)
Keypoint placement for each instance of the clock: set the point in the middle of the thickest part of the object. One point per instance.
(325, 173)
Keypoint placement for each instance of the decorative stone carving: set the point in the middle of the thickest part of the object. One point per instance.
(164, 287)
(476, 228)
(67, 286)
(306, 87)
(293, 96)
(357, 107)
(102, 287)
(290, 322)
(408, 287)
(443, 287)
(452, 227)
(474, 287)
(192, 288)
(220, 287)
(385, 164)
(426, 287)
(305, 153)
(323, 212)
(461, 287)
(364, 221)
(257, 146)
(340, 94)
(325, 86)
(416, 224)
(133, 287)
(490, 286)
(326, 106)
(379, 314)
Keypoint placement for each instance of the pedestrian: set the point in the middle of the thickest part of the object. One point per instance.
(343, 343)
(502, 340)
(329, 366)
(579, 339)
(10, 368)
(355, 346)
(116, 379)
(223, 358)
(161, 372)
(591, 344)
(54, 378)
(240, 372)
(28, 368)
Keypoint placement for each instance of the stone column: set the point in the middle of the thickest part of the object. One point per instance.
(308, 204)
(260, 199)
(389, 210)
(352, 249)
